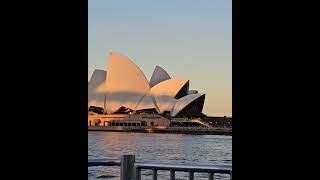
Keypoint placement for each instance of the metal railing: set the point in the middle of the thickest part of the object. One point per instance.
(131, 170)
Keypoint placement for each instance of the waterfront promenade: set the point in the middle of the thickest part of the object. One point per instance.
(173, 130)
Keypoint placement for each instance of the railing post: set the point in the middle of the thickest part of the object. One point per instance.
(191, 175)
(211, 175)
(127, 167)
(137, 174)
(154, 174)
(172, 175)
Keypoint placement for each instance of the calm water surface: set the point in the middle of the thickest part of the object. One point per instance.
(176, 148)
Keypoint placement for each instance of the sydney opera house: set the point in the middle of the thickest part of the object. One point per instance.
(121, 95)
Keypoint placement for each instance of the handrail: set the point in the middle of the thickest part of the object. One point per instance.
(184, 167)
(211, 170)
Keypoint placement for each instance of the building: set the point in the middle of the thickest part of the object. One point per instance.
(121, 95)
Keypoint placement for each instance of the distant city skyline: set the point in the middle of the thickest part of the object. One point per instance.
(189, 39)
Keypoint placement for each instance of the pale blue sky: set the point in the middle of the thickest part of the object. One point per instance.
(189, 39)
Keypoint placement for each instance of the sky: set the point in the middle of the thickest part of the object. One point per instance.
(189, 39)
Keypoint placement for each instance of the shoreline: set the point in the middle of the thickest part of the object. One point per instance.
(170, 130)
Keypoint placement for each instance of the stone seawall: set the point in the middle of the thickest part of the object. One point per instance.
(173, 130)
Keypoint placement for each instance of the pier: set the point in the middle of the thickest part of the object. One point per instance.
(131, 170)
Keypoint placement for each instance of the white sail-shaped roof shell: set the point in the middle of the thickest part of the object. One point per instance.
(160, 103)
(147, 102)
(126, 83)
(185, 101)
(161, 96)
(97, 88)
(158, 75)
(165, 103)
(169, 87)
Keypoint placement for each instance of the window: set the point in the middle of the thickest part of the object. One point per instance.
(133, 124)
(129, 124)
(152, 123)
(138, 124)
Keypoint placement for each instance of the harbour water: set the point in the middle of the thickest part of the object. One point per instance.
(173, 148)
